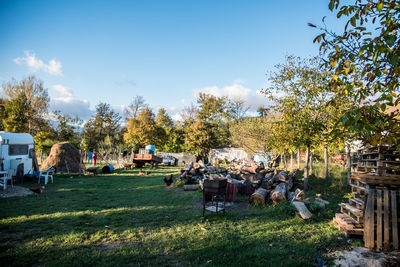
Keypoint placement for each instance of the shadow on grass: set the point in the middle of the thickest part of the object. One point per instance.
(125, 219)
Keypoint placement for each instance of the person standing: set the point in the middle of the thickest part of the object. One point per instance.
(90, 157)
(94, 158)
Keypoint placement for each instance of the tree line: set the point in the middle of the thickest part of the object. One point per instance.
(349, 92)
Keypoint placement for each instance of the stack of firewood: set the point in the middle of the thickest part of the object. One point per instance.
(195, 172)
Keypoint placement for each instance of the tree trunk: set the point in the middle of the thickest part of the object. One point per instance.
(326, 161)
(291, 159)
(348, 162)
(298, 158)
(41, 156)
(284, 161)
(311, 162)
(306, 168)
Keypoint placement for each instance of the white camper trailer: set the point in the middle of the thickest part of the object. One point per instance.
(15, 152)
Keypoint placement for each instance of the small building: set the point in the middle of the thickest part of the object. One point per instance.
(227, 153)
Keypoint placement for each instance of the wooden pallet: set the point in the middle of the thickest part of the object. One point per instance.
(381, 222)
(348, 225)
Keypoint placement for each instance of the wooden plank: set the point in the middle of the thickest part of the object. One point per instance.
(379, 221)
(369, 220)
(302, 209)
(394, 220)
(386, 221)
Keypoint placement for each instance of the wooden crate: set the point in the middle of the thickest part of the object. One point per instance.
(381, 219)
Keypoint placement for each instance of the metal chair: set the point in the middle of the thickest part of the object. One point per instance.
(6, 176)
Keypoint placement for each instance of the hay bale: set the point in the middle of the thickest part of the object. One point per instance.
(62, 154)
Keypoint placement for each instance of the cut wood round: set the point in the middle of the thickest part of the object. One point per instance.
(283, 176)
(259, 196)
(190, 187)
(279, 193)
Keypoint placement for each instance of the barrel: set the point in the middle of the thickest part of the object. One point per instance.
(107, 169)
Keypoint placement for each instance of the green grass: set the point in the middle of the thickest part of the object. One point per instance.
(126, 219)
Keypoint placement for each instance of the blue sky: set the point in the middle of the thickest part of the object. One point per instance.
(166, 51)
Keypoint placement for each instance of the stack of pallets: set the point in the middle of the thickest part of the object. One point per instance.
(377, 167)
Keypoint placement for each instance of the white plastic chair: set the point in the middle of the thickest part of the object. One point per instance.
(46, 174)
(6, 176)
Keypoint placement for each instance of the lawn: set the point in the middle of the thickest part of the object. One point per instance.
(127, 219)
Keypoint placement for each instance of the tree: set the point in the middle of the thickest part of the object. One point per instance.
(163, 119)
(104, 122)
(143, 130)
(66, 126)
(37, 101)
(262, 111)
(370, 43)
(16, 111)
(199, 138)
(213, 111)
(299, 92)
(138, 103)
(40, 138)
(237, 108)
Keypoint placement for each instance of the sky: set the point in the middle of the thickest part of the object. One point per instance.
(87, 52)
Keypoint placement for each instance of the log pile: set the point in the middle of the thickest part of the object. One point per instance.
(251, 178)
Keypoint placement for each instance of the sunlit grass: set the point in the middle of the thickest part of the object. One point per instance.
(127, 219)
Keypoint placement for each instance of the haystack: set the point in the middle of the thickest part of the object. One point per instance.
(63, 155)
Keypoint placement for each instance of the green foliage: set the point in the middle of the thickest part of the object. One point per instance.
(66, 126)
(104, 122)
(16, 113)
(143, 130)
(370, 47)
(31, 100)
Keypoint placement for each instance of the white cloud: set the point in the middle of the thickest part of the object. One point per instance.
(176, 117)
(65, 91)
(236, 91)
(30, 60)
(72, 106)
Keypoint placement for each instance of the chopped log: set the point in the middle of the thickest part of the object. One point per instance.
(188, 167)
(279, 193)
(283, 176)
(259, 196)
(190, 187)
(183, 175)
(251, 169)
(320, 202)
(302, 210)
(196, 166)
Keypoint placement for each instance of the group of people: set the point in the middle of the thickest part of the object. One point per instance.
(92, 158)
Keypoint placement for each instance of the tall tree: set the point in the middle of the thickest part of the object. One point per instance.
(105, 122)
(143, 130)
(16, 111)
(298, 90)
(37, 101)
(137, 104)
(237, 108)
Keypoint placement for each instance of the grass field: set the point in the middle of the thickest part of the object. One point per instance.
(126, 219)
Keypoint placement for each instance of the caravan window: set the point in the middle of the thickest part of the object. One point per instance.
(16, 150)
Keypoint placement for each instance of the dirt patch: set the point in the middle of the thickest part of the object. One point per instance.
(15, 191)
(364, 257)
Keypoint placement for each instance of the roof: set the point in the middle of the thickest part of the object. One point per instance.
(16, 138)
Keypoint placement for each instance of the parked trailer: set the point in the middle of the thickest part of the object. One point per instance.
(16, 151)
